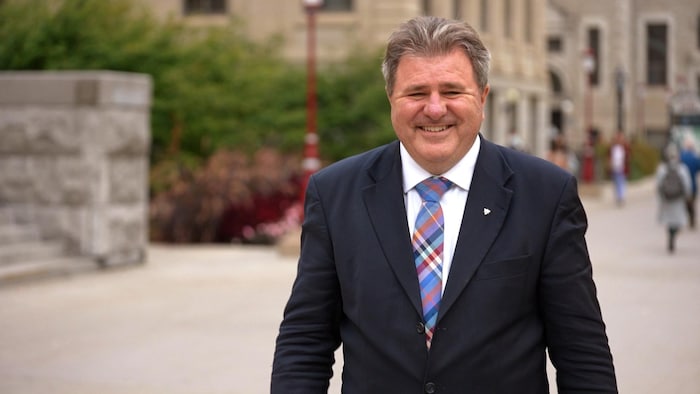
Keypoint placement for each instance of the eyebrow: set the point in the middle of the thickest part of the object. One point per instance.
(442, 86)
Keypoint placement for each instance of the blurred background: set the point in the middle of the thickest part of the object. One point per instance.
(175, 138)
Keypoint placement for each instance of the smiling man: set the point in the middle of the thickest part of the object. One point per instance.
(443, 263)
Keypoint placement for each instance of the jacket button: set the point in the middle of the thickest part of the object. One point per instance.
(430, 388)
(420, 328)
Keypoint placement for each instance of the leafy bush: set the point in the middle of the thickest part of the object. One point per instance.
(354, 109)
(232, 198)
(643, 160)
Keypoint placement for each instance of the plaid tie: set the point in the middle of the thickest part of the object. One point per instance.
(428, 242)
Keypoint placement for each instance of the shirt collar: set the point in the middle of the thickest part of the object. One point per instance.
(460, 174)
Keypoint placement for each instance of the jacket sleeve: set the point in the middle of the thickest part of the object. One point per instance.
(309, 332)
(575, 332)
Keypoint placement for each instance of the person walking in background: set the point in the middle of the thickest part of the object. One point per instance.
(673, 186)
(691, 159)
(442, 262)
(619, 157)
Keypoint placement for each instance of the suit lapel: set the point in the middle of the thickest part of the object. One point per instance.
(387, 212)
(484, 215)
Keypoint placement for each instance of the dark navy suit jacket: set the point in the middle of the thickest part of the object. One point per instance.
(520, 283)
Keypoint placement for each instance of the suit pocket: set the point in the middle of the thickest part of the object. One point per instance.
(515, 266)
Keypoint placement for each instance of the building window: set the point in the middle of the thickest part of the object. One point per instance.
(529, 19)
(484, 15)
(594, 47)
(337, 5)
(657, 54)
(205, 7)
(555, 45)
(508, 18)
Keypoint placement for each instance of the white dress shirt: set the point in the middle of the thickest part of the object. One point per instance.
(453, 201)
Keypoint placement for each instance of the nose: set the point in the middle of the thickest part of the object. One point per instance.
(435, 107)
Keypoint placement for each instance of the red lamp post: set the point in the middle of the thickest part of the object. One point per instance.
(311, 162)
(588, 168)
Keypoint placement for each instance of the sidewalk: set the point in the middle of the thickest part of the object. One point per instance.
(203, 319)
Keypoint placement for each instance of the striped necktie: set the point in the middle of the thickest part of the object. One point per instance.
(428, 243)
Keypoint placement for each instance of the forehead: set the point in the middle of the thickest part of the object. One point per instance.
(452, 67)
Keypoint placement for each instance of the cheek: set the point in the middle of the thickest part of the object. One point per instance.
(403, 113)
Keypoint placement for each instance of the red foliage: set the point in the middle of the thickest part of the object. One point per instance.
(230, 199)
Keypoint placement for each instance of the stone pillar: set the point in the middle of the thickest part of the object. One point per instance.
(499, 132)
(74, 150)
(542, 125)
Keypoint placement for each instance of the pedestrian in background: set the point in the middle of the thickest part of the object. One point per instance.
(672, 210)
(469, 299)
(619, 158)
(691, 159)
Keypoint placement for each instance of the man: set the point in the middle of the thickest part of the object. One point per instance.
(471, 307)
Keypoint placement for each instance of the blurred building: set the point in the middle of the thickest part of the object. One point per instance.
(514, 31)
(632, 65)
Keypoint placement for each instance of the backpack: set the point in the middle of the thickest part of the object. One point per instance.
(671, 186)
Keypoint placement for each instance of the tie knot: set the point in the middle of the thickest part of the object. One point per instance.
(432, 189)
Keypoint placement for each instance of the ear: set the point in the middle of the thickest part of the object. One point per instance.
(484, 94)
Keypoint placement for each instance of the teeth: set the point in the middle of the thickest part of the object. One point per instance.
(434, 129)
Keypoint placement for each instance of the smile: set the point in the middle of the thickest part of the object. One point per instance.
(434, 129)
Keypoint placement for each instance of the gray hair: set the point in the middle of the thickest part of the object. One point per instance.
(433, 36)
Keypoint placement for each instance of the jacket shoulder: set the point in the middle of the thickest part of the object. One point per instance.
(377, 161)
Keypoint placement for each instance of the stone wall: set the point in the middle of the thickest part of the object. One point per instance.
(74, 150)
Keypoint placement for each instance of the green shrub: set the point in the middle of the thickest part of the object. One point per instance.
(643, 160)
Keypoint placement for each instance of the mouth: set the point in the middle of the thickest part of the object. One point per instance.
(434, 129)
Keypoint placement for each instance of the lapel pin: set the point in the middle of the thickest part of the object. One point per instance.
(486, 211)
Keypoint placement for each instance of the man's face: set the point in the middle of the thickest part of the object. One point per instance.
(437, 108)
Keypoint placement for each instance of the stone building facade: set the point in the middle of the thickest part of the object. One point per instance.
(645, 53)
(514, 31)
(74, 149)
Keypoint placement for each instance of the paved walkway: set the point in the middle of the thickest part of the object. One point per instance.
(204, 319)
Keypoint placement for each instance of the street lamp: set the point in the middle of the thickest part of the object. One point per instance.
(588, 168)
(311, 162)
